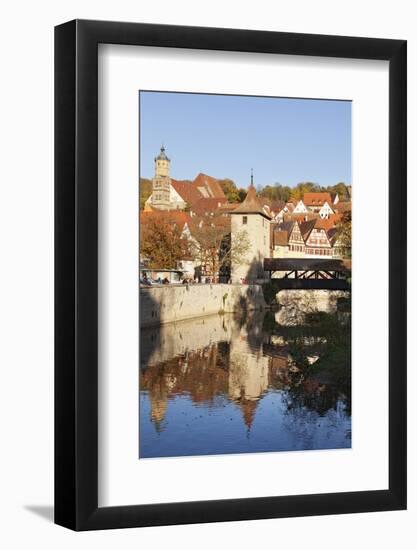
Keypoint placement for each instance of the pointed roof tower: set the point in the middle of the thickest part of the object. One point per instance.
(162, 154)
(248, 408)
(251, 204)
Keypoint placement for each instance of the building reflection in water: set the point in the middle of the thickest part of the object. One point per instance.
(196, 375)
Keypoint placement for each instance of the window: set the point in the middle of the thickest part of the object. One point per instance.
(245, 220)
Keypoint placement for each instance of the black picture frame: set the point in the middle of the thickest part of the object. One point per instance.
(76, 272)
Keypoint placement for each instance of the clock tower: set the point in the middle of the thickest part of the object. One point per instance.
(161, 183)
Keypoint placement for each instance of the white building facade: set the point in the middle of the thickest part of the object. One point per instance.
(250, 217)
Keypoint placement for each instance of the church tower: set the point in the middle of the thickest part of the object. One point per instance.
(161, 182)
(250, 218)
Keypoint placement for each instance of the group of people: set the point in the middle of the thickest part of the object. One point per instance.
(196, 280)
(145, 280)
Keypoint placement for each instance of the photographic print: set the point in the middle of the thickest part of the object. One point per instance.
(245, 209)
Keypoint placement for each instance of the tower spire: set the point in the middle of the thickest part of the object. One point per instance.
(251, 176)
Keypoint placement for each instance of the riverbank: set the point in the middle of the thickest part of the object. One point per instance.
(295, 305)
(168, 304)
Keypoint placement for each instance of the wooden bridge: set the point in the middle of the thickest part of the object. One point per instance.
(309, 273)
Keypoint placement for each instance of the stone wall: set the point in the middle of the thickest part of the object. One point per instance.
(167, 304)
(257, 229)
(295, 304)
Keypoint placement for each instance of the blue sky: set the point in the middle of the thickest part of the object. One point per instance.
(283, 140)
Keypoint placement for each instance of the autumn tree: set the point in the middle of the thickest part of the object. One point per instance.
(233, 194)
(161, 243)
(241, 194)
(145, 191)
(344, 237)
(229, 189)
(276, 192)
(213, 248)
(297, 193)
(341, 189)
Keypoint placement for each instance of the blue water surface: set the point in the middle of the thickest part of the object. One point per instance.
(218, 386)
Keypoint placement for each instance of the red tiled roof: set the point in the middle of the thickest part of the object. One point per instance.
(186, 190)
(206, 205)
(317, 199)
(212, 185)
(191, 192)
(328, 223)
(301, 217)
(228, 206)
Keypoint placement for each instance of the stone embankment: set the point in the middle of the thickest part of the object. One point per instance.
(295, 304)
(166, 304)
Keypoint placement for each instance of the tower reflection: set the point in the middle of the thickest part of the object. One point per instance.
(222, 365)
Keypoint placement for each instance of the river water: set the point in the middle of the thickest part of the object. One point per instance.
(254, 382)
